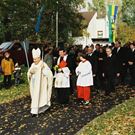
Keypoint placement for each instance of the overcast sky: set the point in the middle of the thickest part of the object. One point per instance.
(89, 0)
(85, 9)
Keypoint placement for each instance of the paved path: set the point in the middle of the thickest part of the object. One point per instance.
(15, 118)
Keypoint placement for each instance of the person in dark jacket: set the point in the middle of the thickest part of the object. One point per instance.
(97, 50)
(17, 74)
(120, 53)
(71, 63)
(101, 57)
(93, 59)
(111, 70)
(131, 63)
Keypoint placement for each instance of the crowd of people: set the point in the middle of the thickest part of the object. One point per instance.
(91, 68)
(74, 69)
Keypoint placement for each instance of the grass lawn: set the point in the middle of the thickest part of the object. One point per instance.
(15, 92)
(118, 121)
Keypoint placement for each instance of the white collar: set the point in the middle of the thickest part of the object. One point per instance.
(90, 54)
(118, 49)
(64, 58)
(110, 55)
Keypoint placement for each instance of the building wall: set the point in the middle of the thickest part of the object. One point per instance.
(92, 27)
(84, 41)
(95, 27)
(98, 26)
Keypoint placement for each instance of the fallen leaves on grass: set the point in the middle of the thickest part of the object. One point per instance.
(118, 121)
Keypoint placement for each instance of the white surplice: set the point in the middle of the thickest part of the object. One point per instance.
(62, 79)
(84, 73)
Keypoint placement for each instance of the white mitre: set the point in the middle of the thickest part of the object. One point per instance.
(36, 53)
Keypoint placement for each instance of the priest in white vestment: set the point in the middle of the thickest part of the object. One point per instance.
(40, 80)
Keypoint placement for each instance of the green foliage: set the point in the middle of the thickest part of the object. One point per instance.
(18, 19)
(69, 19)
(125, 32)
(128, 11)
(71, 40)
(99, 7)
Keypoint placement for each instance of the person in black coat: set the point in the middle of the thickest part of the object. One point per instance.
(101, 57)
(110, 71)
(93, 59)
(71, 64)
(97, 50)
(131, 63)
(120, 53)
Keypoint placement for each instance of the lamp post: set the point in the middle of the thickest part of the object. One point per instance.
(57, 26)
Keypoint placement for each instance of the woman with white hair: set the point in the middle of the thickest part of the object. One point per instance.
(40, 79)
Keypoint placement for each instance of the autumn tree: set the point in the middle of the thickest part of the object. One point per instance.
(99, 7)
(18, 19)
(126, 22)
(128, 11)
(126, 33)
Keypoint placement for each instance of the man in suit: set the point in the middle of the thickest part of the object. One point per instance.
(131, 63)
(110, 71)
(120, 52)
(93, 59)
(101, 57)
(71, 64)
(97, 50)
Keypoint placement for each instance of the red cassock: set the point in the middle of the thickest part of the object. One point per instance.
(83, 92)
